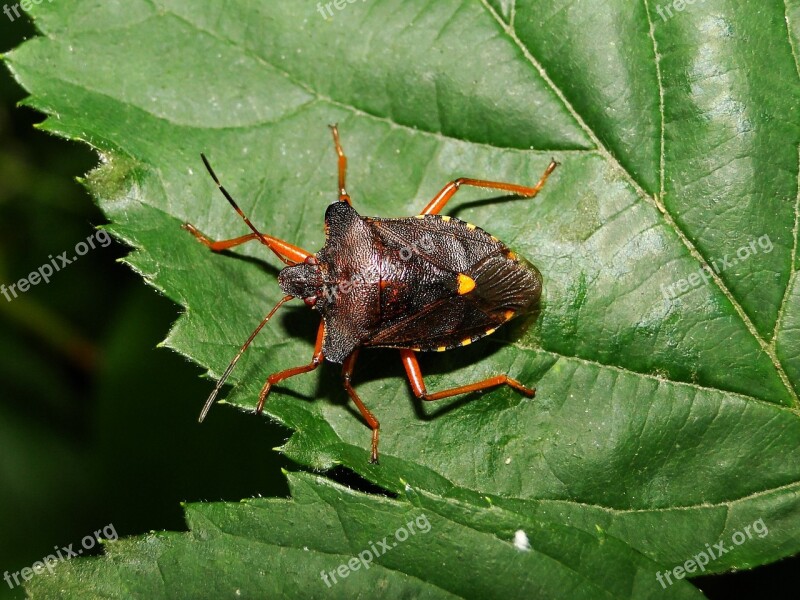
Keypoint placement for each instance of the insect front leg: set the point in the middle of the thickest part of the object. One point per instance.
(448, 191)
(414, 373)
(288, 253)
(275, 378)
(347, 372)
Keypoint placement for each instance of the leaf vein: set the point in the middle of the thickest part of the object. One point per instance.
(653, 200)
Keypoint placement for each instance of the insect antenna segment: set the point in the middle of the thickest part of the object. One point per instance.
(221, 382)
(264, 238)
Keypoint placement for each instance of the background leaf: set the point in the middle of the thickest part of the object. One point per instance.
(666, 411)
(275, 545)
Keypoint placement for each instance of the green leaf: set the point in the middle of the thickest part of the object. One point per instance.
(665, 353)
(331, 542)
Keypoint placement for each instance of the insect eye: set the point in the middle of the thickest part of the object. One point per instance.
(311, 260)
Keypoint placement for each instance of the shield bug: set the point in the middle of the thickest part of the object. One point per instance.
(424, 283)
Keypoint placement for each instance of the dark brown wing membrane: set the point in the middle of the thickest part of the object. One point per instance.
(420, 302)
(441, 325)
(503, 284)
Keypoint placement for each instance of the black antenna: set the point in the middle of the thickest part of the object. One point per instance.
(221, 382)
(235, 206)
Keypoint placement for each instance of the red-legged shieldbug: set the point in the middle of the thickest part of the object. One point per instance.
(422, 283)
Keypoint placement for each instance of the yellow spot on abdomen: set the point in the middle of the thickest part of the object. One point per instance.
(441, 348)
(470, 226)
(508, 314)
(445, 218)
(466, 342)
(465, 284)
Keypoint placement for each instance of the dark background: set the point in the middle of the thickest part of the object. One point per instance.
(97, 425)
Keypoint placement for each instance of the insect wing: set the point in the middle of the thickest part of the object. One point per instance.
(446, 283)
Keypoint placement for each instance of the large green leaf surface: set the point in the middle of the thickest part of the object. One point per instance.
(666, 413)
(425, 547)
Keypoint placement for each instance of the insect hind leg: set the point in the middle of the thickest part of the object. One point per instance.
(347, 373)
(414, 374)
(448, 191)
